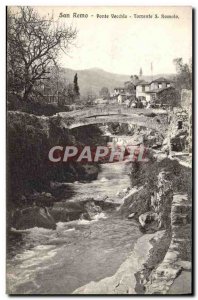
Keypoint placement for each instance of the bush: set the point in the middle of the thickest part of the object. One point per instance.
(145, 173)
(34, 107)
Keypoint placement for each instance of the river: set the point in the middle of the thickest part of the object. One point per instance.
(43, 261)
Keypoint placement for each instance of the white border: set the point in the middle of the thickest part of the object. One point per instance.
(2, 103)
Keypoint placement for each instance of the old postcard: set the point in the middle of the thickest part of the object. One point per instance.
(99, 150)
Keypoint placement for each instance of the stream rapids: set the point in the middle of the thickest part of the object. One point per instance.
(45, 261)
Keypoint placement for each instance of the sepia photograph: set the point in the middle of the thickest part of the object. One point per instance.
(99, 146)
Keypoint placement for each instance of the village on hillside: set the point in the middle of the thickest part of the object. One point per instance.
(138, 93)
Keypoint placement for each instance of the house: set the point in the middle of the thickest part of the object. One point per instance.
(153, 91)
(157, 92)
(123, 94)
(118, 90)
(166, 97)
(142, 88)
(101, 101)
(121, 98)
(160, 83)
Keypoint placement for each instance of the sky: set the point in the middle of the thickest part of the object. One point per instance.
(124, 45)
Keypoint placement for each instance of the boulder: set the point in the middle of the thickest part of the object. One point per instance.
(131, 216)
(33, 217)
(87, 172)
(65, 211)
(149, 221)
(91, 210)
(41, 199)
(135, 202)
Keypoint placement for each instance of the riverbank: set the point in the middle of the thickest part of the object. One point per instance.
(159, 262)
(161, 258)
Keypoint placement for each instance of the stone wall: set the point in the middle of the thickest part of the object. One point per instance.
(176, 265)
(158, 216)
(160, 261)
(131, 275)
(186, 98)
(179, 130)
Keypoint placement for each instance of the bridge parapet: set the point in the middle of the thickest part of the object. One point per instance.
(120, 110)
(123, 111)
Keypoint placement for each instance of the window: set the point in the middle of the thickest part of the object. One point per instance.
(179, 125)
(143, 88)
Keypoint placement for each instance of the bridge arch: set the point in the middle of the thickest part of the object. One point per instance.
(151, 119)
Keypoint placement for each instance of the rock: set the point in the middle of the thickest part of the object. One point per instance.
(149, 221)
(148, 251)
(91, 210)
(171, 256)
(163, 200)
(65, 211)
(182, 285)
(41, 199)
(86, 208)
(118, 194)
(136, 201)
(87, 172)
(186, 265)
(131, 216)
(167, 277)
(33, 217)
(126, 190)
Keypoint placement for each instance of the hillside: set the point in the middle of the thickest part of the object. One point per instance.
(92, 80)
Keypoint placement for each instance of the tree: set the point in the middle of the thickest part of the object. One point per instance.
(90, 96)
(169, 97)
(134, 79)
(183, 79)
(104, 92)
(33, 45)
(141, 73)
(76, 87)
(129, 87)
(69, 94)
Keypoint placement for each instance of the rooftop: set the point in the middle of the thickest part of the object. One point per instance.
(142, 82)
(159, 90)
(161, 79)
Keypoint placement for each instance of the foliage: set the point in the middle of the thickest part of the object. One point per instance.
(28, 166)
(33, 44)
(104, 92)
(67, 96)
(76, 87)
(145, 173)
(134, 79)
(169, 97)
(183, 79)
(129, 87)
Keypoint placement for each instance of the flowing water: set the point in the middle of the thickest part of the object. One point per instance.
(43, 261)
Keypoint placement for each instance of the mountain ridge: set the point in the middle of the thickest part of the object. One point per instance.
(93, 79)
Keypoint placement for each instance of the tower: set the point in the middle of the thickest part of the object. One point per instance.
(140, 73)
(151, 71)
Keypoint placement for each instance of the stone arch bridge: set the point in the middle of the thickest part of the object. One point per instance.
(150, 118)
